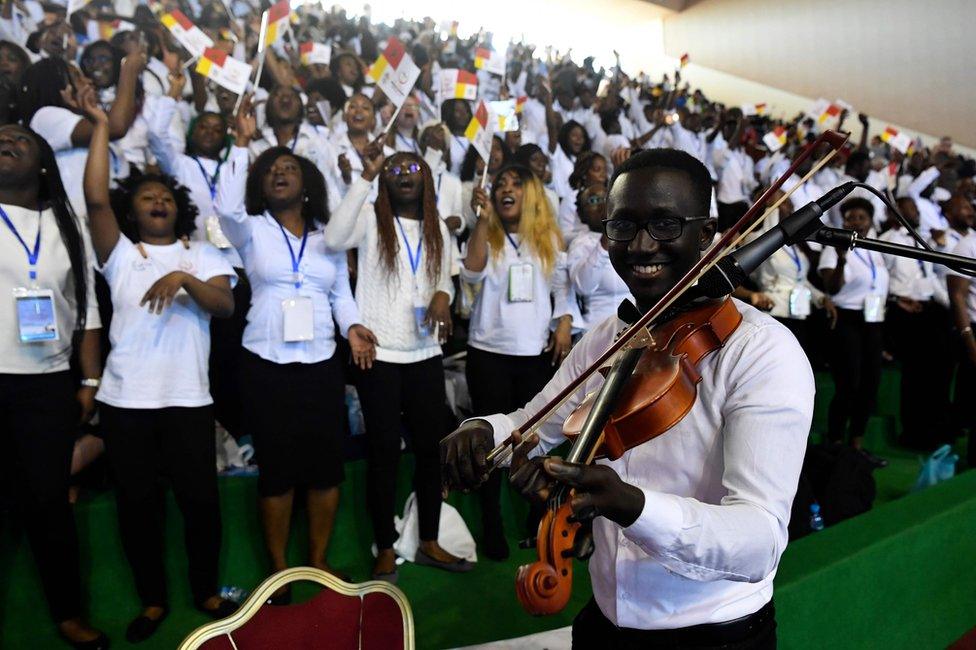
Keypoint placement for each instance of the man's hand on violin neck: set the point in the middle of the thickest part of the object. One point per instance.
(598, 491)
(464, 455)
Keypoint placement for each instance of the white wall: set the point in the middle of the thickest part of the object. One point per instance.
(905, 62)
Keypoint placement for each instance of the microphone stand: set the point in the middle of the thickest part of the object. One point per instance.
(849, 240)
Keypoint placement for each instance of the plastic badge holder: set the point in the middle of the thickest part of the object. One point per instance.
(36, 315)
(521, 287)
(297, 317)
(800, 299)
(874, 308)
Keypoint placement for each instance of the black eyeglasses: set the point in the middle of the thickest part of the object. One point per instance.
(662, 229)
(402, 170)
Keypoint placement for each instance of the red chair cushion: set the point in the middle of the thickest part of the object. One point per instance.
(328, 620)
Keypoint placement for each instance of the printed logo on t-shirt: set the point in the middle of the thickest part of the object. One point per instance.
(187, 266)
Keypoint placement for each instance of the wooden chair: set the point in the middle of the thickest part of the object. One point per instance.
(372, 615)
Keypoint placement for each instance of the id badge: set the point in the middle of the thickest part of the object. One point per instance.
(420, 318)
(521, 285)
(298, 320)
(874, 308)
(215, 235)
(36, 315)
(800, 298)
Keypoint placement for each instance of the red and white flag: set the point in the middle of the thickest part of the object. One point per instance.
(900, 141)
(183, 30)
(224, 70)
(490, 61)
(480, 131)
(458, 84)
(775, 139)
(394, 72)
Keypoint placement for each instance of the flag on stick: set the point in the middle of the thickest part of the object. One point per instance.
(505, 116)
(394, 72)
(458, 84)
(685, 59)
(896, 140)
(775, 139)
(224, 70)
(479, 131)
(186, 33)
(312, 53)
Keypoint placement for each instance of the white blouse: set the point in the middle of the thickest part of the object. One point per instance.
(864, 273)
(782, 272)
(264, 248)
(595, 280)
(516, 328)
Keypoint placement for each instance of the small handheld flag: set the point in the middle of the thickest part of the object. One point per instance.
(224, 70)
(186, 33)
(489, 61)
(394, 72)
(775, 139)
(479, 131)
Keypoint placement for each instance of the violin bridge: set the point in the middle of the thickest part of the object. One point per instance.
(641, 339)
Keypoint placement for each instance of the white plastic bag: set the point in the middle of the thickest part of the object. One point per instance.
(453, 534)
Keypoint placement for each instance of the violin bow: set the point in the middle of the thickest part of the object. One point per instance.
(732, 238)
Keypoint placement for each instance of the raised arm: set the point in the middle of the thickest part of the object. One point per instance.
(229, 200)
(159, 131)
(476, 258)
(104, 228)
(123, 111)
(347, 228)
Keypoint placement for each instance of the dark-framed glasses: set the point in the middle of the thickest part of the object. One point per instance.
(661, 229)
(404, 169)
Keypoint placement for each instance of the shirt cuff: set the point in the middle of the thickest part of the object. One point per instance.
(501, 426)
(659, 524)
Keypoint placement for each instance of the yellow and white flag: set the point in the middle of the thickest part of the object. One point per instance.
(224, 70)
(748, 110)
(186, 33)
(490, 61)
(394, 72)
(458, 84)
(900, 141)
(480, 130)
(279, 22)
(312, 53)
(775, 139)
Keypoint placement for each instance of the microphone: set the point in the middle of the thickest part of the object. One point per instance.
(733, 269)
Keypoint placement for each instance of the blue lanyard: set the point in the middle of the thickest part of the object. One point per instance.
(514, 245)
(439, 177)
(295, 261)
(210, 180)
(414, 257)
(294, 140)
(31, 256)
(874, 272)
(796, 260)
(412, 145)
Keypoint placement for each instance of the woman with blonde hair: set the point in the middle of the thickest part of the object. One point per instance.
(516, 335)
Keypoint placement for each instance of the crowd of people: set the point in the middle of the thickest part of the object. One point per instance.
(250, 256)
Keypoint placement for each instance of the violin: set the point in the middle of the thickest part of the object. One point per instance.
(651, 377)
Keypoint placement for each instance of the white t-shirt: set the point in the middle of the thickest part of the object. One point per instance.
(54, 273)
(158, 360)
(55, 124)
(864, 273)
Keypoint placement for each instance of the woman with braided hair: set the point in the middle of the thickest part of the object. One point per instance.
(404, 294)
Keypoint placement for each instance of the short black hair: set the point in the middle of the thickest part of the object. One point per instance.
(857, 157)
(524, 153)
(855, 203)
(125, 191)
(563, 137)
(677, 160)
(314, 211)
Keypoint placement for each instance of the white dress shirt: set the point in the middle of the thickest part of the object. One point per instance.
(864, 273)
(459, 147)
(735, 175)
(516, 328)
(594, 279)
(386, 299)
(158, 360)
(312, 142)
(54, 273)
(930, 215)
(718, 486)
(261, 242)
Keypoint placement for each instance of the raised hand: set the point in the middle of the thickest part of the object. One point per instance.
(373, 159)
(245, 123)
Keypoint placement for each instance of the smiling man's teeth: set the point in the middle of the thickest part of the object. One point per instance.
(647, 268)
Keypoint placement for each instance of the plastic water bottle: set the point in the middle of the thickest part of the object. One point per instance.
(233, 594)
(816, 521)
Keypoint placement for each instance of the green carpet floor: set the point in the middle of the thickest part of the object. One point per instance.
(450, 610)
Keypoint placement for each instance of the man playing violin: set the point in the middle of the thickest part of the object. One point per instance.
(688, 528)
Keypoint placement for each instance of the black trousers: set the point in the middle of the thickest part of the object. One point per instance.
(501, 383)
(225, 353)
(964, 406)
(591, 629)
(921, 344)
(38, 421)
(393, 395)
(143, 447)
(855, 362)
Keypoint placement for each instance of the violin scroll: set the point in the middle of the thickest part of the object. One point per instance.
(544, 587)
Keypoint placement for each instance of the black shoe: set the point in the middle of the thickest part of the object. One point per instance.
(98, 643)
(142, 627)
(223, 610)
(458, 566)
(281, 599)
(495, 545)
(875, 461)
